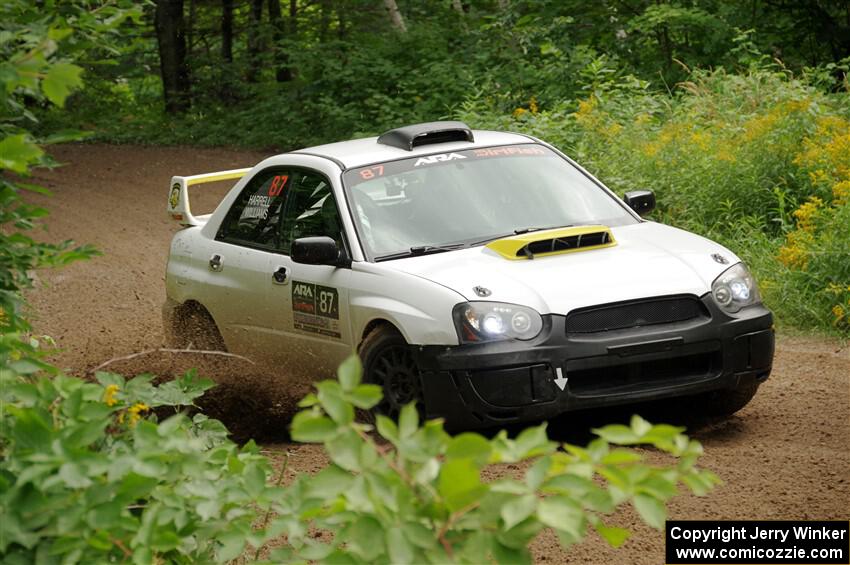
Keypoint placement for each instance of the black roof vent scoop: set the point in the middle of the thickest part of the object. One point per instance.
(409, 137)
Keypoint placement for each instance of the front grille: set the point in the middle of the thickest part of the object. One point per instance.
(635, 314)
(644, 375)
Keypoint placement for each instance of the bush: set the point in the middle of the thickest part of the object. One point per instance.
(90, 473)
(816, 253)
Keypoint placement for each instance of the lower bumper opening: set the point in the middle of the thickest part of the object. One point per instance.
(644, 375)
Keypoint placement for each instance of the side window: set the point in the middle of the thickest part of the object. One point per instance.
(310, 210)
(254, 218)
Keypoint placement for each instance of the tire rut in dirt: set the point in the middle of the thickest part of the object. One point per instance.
(254, 401)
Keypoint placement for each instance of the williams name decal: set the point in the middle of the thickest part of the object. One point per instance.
(315, 308)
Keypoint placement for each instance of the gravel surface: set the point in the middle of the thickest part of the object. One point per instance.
(785, 456)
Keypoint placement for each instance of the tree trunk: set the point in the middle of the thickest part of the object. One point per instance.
(395, 15)
(254, 42)
(190, 28)
(171, 39)
(227, 30)
(324, 20)
(341, 26)
(282, 71)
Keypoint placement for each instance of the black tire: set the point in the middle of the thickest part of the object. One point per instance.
(727, 401)
(194, 328)
(388, 362)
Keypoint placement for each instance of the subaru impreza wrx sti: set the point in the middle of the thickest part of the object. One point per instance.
(483, 275)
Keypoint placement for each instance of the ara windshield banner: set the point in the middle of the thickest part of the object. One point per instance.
(390, 168)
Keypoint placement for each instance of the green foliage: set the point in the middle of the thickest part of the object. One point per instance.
(410, 493)
(114, 470)
(35, 68)
(88, 474)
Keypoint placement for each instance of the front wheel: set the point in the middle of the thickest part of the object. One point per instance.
(193, 328)
(727, 401)
(388, 362)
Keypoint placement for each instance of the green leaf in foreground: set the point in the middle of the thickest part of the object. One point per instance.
(60, 80)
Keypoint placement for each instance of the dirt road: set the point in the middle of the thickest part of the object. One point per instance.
(785, 456)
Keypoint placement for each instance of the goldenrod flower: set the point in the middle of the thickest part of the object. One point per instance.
(841, 191)
(807, 212)
(838, 312)
(109, 395)
(794, 253)
(136, 411)
(519, 112)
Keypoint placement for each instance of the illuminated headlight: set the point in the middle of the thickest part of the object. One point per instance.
(477, 322)
(735, 288)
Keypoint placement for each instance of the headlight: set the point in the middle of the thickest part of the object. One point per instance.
(735, 288)
(477, 322)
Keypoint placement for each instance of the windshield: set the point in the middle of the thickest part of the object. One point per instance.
(467, 197)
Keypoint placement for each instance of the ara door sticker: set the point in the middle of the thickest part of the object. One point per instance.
(315, 309)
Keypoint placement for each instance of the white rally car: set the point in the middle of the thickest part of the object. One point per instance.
(482, 274)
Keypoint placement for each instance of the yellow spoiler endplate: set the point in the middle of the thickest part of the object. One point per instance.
(178, 193)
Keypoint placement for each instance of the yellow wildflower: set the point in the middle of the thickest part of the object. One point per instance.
(838, 312)
(760, 125)
(723, 154)
(818, 176)
(520, 112)
(701, 139)
(798, 105)
(830, 125)
(585, 107)
(841, 192)
(136, 411)
(807, 213)
(109, 395)
(611, 130)
(794, 254)
(532, 105)
(651, 149)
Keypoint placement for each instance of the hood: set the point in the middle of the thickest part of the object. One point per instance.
(648, 260)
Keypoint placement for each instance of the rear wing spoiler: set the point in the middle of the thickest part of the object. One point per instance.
(178, 194)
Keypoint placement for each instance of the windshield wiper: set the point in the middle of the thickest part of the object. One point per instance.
(420, 250)
(518, 231)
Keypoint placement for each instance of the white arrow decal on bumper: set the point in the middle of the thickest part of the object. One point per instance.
(561, 381)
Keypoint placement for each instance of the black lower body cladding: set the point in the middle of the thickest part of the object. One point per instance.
(492, 384)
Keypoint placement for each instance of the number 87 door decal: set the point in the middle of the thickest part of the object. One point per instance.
(315, 308)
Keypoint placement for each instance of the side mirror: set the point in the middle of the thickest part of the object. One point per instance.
(641, 201)
(320, 250)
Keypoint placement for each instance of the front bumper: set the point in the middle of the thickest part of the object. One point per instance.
(493, 384)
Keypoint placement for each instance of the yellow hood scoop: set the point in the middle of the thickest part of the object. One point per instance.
(553, 242)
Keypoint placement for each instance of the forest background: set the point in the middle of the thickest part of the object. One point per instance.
(735, 112)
